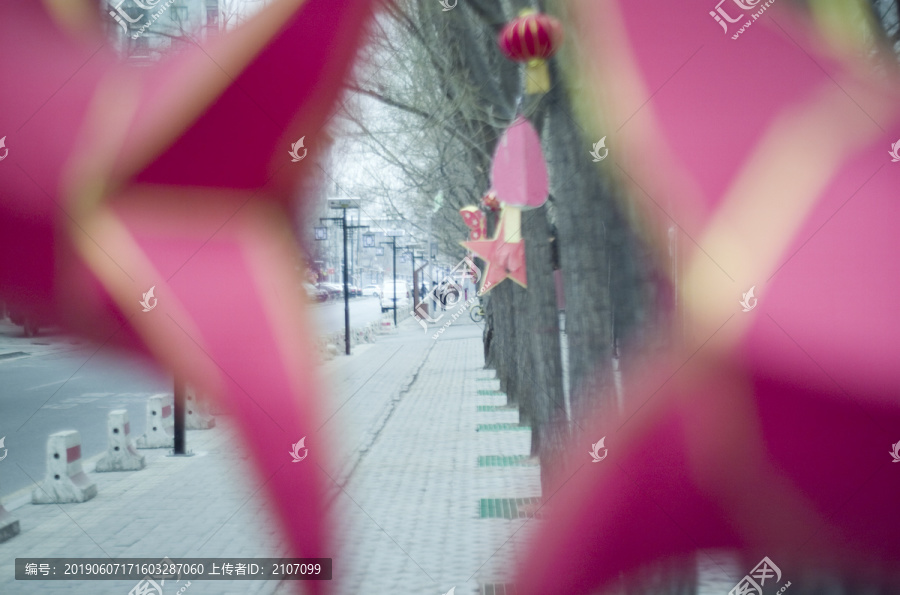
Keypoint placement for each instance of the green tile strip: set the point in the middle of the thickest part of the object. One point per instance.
(505, 461)
(499, 427)
(497, 408)
(490, 393)
(508, 508)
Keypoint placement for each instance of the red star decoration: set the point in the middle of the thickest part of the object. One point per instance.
(508, 257)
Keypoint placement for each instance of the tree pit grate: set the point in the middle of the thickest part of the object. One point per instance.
(510, 508)
(505, 461)
(500, 427)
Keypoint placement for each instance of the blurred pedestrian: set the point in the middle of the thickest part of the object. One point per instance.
(439, 299)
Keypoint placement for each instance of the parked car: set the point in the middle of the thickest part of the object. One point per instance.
(394, 295)
(371, 290)
(334, 291)
(315, 294)
(355, 291)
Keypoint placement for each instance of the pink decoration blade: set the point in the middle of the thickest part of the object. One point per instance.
(519, 172)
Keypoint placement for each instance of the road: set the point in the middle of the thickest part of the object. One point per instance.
(329, 316)
(54, 382)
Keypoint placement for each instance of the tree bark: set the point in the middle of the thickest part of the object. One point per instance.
(545, 373)
(584, 215)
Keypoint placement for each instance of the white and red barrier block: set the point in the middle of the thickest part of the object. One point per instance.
(120, 454)
(9, 527)
(65, 480)
(160, 430)
(196, 413)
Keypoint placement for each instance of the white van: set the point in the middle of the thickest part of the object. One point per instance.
(394, 296)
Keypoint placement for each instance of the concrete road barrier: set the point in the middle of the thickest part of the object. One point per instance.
(364, 334)
(120, 454)
(65, 480)
(196, 412)
(9, 527)
(160, 430)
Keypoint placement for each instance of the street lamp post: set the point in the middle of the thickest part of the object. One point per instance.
(415, 290)
(368, 241)
(394, 271)
(344, 204)
(412, 257)
(346, 288)
(394, 234)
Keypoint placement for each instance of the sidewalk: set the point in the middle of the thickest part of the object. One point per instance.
(410, 516)
(407, 502)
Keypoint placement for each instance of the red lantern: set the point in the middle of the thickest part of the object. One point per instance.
(532, 38)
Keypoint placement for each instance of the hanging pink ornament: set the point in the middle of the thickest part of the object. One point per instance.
(519, 172)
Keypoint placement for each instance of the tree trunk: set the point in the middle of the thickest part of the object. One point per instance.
(503, 334)
(523, 388)
(545, 373)
(584, 214)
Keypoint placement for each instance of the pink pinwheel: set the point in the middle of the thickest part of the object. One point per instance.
(766, 433)
(176, 178)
